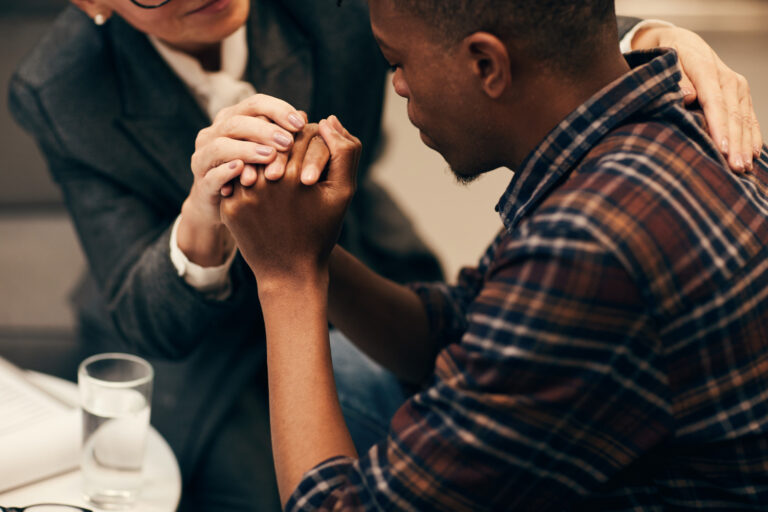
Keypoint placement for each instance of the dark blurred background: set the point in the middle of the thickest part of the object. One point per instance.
(40, 260)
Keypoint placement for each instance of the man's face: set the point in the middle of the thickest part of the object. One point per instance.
(427, 74)
(187, 24)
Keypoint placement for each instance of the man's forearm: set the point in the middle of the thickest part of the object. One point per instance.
(384, 319)
(305, 416)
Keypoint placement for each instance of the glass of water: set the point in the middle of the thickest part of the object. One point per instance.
(115, 397)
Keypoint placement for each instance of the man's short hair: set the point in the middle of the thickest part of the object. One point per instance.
(562, 32)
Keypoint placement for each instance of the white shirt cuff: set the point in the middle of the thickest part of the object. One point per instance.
(626, 41)
(214, 282)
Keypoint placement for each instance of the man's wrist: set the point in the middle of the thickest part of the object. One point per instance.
(287, 286)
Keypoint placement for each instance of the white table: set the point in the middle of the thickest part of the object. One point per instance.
(162, 479)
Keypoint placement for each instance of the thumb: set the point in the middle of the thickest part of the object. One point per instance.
(345, 152)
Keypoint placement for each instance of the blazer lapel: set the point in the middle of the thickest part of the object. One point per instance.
(159, 113)
(280, 60)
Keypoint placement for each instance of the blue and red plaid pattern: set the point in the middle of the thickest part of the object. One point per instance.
(610, 351)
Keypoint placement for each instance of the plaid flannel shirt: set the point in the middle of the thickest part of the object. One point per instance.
(610, 351)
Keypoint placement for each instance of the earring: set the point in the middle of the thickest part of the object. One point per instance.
(99, 19)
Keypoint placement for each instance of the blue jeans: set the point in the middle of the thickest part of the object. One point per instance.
(368, 393)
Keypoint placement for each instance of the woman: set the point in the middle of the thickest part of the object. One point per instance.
(116, 95)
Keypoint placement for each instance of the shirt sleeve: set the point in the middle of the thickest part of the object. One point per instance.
(626, 42)
(214, 282)
(555, 388)
(446, 305)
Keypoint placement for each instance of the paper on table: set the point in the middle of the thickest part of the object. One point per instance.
(39, 435)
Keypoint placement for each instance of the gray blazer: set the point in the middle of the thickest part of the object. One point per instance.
(117, 128)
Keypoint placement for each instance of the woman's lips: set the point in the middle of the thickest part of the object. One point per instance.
(211, 7)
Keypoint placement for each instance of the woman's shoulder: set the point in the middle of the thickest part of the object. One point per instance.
(71, 44)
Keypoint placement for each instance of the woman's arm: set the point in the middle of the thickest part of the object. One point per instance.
(124, 229)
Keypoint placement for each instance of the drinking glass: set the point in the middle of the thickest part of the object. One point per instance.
(115, 397)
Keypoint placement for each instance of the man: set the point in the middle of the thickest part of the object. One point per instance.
(609, 352)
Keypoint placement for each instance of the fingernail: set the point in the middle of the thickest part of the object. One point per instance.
(264, 150)
(686, 91)
(296, 121)
(758, 150)
(309, 175)
(738, 163)
(724, 145)
(282, 139)
(232, 165)
(748, 162)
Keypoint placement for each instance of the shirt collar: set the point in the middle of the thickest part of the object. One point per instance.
(654, 75)
(234, 59)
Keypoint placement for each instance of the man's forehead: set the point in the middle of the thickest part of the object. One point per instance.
(382, 13)
(390, 23)
(386, 11)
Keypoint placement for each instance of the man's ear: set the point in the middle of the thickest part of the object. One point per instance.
(489, 61)
(93, 8)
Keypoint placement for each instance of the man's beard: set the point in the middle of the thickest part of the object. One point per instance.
(464, 180)
(464, 176)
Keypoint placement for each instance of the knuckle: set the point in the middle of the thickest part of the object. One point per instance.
(731, 80)
(716, 99)
(194, 160)
(232, 124)
(256, 101)
(220, 142)
(223, 114)
(231, 207)
(202, 137)
(226, 207)
(311, 128)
